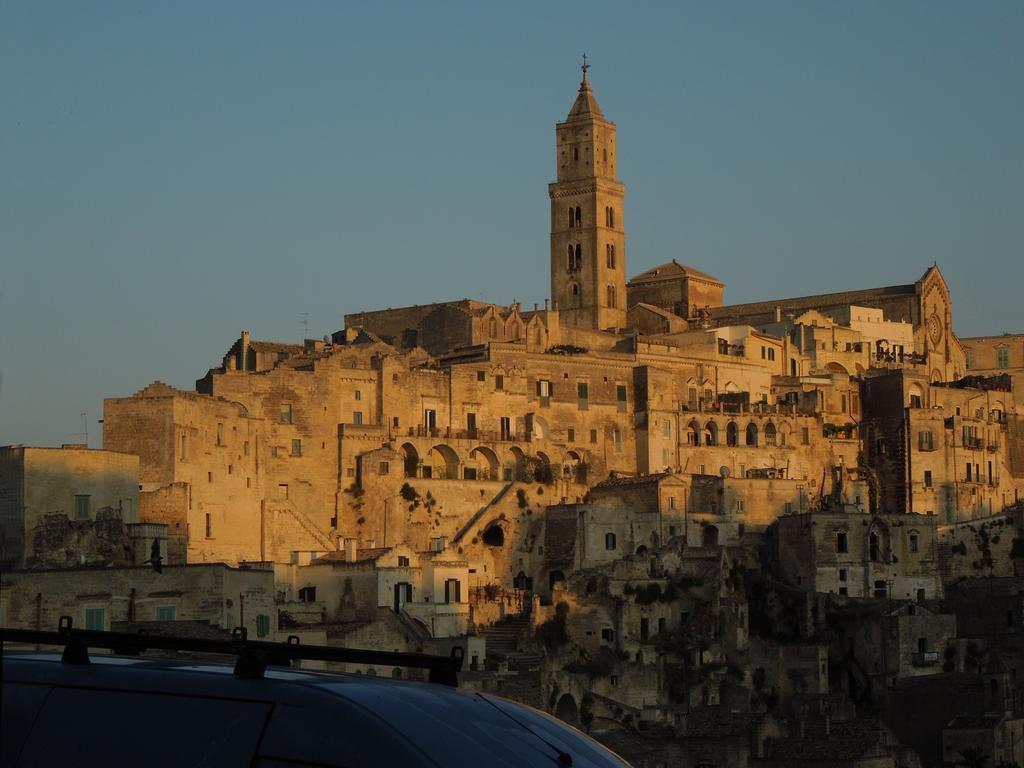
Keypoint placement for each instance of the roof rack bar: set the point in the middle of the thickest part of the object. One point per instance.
(76, 643)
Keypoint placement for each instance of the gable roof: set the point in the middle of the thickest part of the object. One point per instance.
(672, 270)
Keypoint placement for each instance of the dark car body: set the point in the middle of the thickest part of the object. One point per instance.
(157, 713)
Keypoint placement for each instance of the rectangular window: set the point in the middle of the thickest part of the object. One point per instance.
(671, 502)
(245, 448)
(357, 417)
(570, 435)
(593, 436)
(927, 478)
(771, 354)
(763, 353)
(282, 490)
(844, 591)
(666, 428)
(209, 477)
(499, 381)
(262, 625)
(359, 395)
(403, 561)
(620, 396)
(1003, 357)
(842, 408)
(505, 424)
(220, 434)
(617, 438)
(926, 440)
(842, 574)
(82, 504)
(286, 413)
(805, 435)
(968, 471)
(841, 545)
(96, 619)
(645, 629)
(209, 525)
(384, 468)
(881, 589)
(481, 375)
(582, 395)
(307, 594)
(913, 542)
(453, 591)
(184, 447)
(471, 424)
(664, 457)
(166, 613)
(296, 447)
(543, 388)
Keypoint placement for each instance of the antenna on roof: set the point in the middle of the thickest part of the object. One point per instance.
(305, 324)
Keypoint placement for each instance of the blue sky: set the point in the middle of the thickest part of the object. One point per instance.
(171, 173)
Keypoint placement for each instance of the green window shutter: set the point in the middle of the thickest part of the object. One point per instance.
(82, 506)
(96, 619)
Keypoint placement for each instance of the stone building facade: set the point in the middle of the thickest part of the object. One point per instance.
(75, 481)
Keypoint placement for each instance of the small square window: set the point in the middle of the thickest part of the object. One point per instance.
(96, 619)
(384, 468)
(166, 613)
(357, 417)
(481, 375)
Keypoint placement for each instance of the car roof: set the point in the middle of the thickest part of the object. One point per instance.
(370, 715)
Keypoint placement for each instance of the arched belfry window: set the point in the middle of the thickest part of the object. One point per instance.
(611, 296)
(611, 217)
(571, 218)
(575, 153)
(579, 256)
(579, 217)
(571, 263)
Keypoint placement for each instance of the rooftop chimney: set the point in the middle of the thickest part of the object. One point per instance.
(350, 550)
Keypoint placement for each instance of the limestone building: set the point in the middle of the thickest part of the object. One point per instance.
(462, 418)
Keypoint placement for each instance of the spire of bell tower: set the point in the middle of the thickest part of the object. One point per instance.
(585, 106)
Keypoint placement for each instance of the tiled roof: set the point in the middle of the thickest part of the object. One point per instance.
(671, 271)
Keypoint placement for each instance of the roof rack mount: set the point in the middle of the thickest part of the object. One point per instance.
(253, 656)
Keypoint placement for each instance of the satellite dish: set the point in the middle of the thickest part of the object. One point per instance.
(723, 471)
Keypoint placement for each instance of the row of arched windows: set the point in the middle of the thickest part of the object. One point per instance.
(574, 257)
(609, 216)
(609, 252)
(751, 435)
(612, 298)
(575, 217)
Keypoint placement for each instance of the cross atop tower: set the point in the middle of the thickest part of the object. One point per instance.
(585, 67)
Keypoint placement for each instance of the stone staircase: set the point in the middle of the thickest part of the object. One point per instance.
(480, 513)
(311, 528)
(505, 638)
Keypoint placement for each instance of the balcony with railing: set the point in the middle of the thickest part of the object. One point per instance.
(479, 435)
(926, 658)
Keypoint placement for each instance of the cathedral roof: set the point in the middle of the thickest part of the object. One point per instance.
(672, 270)
(585, 105)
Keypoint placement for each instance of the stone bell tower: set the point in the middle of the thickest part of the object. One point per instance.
(588, 241)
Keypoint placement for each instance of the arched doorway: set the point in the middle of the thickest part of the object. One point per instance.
(483, 463)
(709, 538)
(711, 433)
(567, 711)
(443, 462)
(410, 459)
(494, 536)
